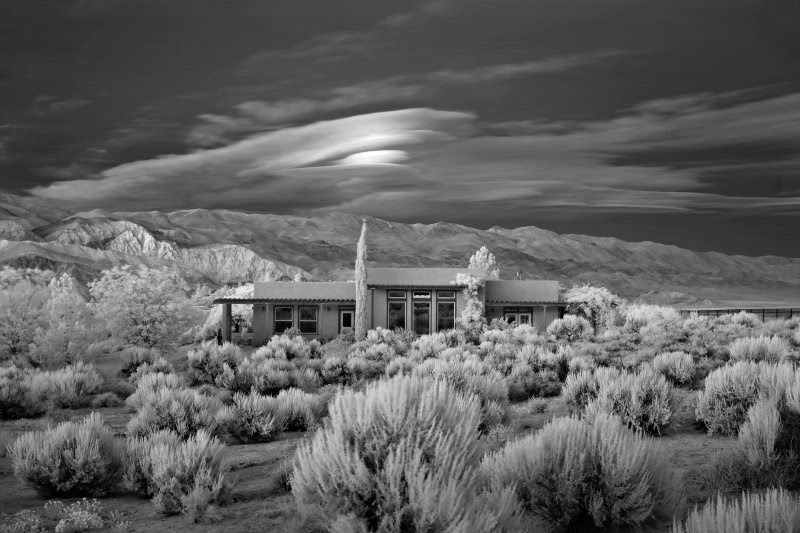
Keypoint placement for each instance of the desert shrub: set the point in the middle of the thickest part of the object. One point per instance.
(571, 328)
(267, 376)
(522, 383)
(536, 406)
(63, 387)
(16, 400)
(181, 476)
(289, 347)
(677, 367)
(298, 410)
(501, 356)
(82, 515)
(427, 346)
(208, 362)
(642, 399)
(363, 369)
(773, 511)
(183, 411)
(581, 362)
(133, 356)
(106, 399)
(25, 521)
(581, 474)
(251, 418)
(402, 455)
(149, 384)
(469, 375)
(769, 349)
(73, 458)
(160, 365)
(334, 370)
(398, 340)
(730, 391)
(639, 317)
(400, 365)
(581, 388)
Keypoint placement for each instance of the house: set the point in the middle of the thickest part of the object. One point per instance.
(422, 299)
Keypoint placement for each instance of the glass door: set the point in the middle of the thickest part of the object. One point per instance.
(422, 317)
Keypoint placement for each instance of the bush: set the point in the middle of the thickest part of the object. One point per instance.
(677, 367)
(25, 521)
(773, 511)
(289, 347)
(581, 388)
(251, 418)
(160, 365)
(83, 515)
(769, 349)
(578, 473)
(63, 387)
(149, 384)
(642, 399)
(403, 455)
(16, 400)
(133, 356)
(207, 363)
(730, 391)
(298, 410)
(180, 476)
(72, 458)
(638, 317)
(181, 410)
(571, 328)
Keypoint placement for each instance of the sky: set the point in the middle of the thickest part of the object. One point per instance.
(669, 121)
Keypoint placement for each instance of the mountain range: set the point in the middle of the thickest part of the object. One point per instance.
(218, 247)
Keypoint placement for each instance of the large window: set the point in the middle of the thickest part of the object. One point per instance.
(308, 320)
(397, 315)
(422, 317)
(283, 319)
(445, 315)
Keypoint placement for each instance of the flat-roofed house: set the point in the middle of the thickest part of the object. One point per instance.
(424, 300)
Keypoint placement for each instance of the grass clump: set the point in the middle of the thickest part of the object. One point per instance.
(401, 456)
(134, 356)
(251, 418)
(677, 367)
(72, 458)
(772, 511)
(583, 474)
(763, 348)
(181, 410)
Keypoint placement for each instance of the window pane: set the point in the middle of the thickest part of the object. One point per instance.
(283, 313)
(511, 318)
(422, 318)
(308, 326)
(524, 318)
(397, 294)
(308, 313)
(446, 295)
(445, 315)
(282, 325)
(397, 315)
(421, 294)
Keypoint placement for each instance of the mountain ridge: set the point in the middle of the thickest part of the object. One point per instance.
(225, 246)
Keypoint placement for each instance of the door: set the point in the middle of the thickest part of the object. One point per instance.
(346, 319)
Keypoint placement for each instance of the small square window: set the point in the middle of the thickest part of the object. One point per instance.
(397, 295)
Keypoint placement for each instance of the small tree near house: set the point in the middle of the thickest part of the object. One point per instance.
(598, 304)
(483, 258)
(361, 285)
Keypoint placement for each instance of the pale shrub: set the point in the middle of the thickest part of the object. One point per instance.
(575, 473)
(180, 476)
(25, 521)
(83, 515)
(678, 367)
(571, 328)
(730, 391)
(251, 418)
(16, 400)
(363, 369)
(743, 318)
(426, 346)
(267, 376)
(581, 388)
(73, 458)
(769, 349)
(150, 383)
(133, 356)
(298, 410)
(642, 399)
(184, 411)
(289, 347)
(581, 362)
(403, 455)
(758, 434)
(63, 387)
(773, 511)
(379, 352)
(640, 316)
(334, 370)
(400, 365)
(207, 362)
(501, 357)
(469, 375)
(160, 365)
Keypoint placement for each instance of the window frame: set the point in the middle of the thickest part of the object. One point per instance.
(398, 294)
(421, 295)
(315, 321)
(275, 318)
(389, 305)
(440, 295)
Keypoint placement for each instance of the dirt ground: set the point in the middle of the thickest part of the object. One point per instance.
(260, 502)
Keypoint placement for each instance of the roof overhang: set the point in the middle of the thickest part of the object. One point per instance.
(245, 301)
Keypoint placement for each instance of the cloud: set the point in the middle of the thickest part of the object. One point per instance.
(50, 105)
(668, 156)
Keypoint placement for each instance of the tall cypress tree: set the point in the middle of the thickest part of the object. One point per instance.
(361, 284)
